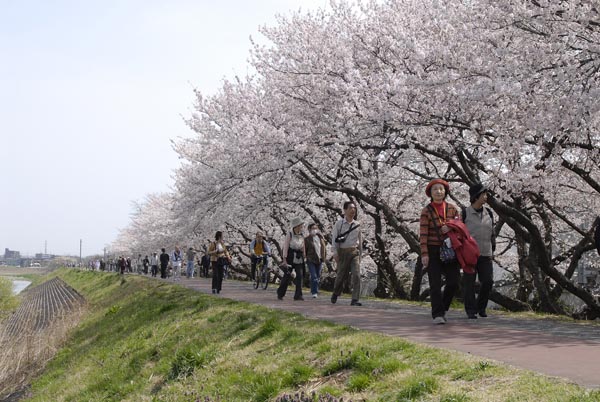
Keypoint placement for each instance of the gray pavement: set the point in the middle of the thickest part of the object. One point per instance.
(556, 348)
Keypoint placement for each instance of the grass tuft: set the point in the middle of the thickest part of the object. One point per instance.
(297, 375)
(359, 382)
(416, 387)
(268, 328)
(186, 361)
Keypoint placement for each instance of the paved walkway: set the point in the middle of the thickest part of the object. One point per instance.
(563, 349)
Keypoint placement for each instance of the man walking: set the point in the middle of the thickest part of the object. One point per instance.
(346, 241)
(164, 262)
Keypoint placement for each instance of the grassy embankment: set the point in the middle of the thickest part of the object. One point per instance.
(146, 340)
(8, 301)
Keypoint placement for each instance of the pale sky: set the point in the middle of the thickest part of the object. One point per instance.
(92, 92)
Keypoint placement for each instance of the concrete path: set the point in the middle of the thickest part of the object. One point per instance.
(563, 349)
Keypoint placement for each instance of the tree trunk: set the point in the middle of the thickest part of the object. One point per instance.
(388, 283)
(415, 289)
(507, 302)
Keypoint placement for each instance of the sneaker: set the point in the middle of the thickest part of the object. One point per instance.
(482, 314)
(439, 320)
(214, 291)
(314, 296)
(299, 298)
(279, 298)
(355, 302)
(333, 299)
(472, 316)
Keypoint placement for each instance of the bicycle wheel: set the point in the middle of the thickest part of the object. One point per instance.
(257, 276)
(264, 277)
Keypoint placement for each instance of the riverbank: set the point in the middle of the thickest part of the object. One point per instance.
(17, 271)
(146, 339)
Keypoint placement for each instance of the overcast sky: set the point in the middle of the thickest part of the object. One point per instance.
(91, 92)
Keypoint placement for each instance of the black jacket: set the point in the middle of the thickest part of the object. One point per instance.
(164, 259)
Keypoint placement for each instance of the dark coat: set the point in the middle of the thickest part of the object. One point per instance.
(311, 254)
(164, 259)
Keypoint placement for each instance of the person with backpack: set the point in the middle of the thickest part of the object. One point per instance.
(259, 249)
(436, 253)
(294, 257)
(346, 242)
(480, 222)
(219, 257)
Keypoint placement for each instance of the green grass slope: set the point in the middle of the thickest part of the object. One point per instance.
(146, 340)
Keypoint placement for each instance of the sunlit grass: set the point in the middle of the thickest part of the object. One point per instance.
(145, 340)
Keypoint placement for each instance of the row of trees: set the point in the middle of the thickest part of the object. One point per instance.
(369, 102)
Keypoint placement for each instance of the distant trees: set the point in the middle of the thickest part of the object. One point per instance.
(371, 101)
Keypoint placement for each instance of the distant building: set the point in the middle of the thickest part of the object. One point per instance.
(41, 256)
(11, 254)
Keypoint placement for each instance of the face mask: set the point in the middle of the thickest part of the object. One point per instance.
(314, 232)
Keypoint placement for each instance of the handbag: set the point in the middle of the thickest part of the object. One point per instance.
(447, 253)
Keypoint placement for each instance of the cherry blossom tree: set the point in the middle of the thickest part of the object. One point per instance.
(369, 101)
(153, 226)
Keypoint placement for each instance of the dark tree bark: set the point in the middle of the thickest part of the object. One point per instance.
(388, 283)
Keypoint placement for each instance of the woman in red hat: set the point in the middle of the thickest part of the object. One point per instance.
(433, 231)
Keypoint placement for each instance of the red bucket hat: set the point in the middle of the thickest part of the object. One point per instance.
(434, 182)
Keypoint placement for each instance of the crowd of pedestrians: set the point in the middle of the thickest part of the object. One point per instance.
(451, 240)
(168, 265)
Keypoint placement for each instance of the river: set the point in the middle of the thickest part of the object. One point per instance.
(19, 285)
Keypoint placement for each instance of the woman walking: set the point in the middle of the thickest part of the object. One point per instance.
(433, 232)
(219, 257)
(294, 255)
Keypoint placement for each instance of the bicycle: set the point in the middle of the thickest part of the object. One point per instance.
(262, 273)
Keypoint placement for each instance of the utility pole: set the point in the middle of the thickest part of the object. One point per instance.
(80, 243)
